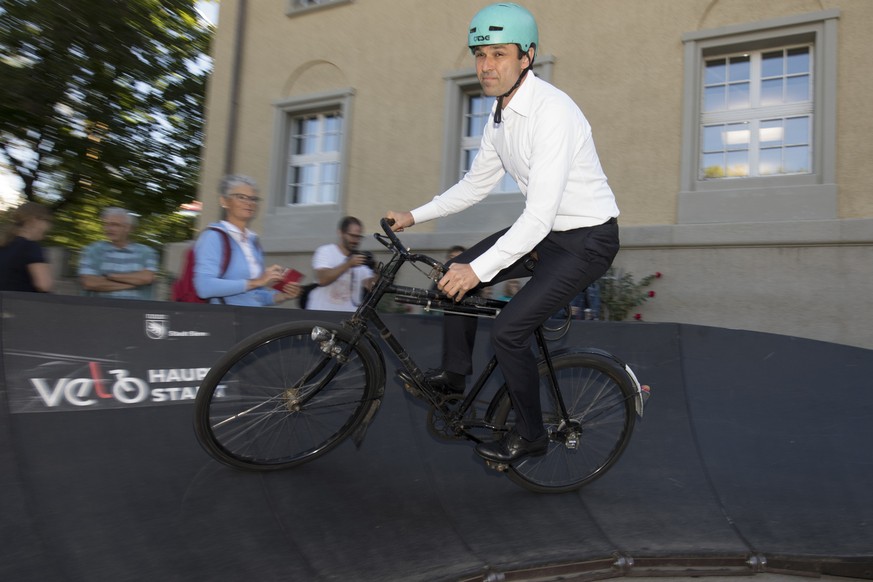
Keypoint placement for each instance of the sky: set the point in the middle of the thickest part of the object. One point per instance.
(8, 190)
(208, 10)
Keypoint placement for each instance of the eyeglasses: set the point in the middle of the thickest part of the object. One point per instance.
(358, 236)
(245, 197)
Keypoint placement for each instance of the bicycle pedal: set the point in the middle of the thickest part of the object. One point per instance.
(408, 383)
(500, 467)
(449, 400)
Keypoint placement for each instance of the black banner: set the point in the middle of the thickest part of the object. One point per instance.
(89, 354)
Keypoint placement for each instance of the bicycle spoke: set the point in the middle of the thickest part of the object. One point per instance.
(278, 400)
(596, 432)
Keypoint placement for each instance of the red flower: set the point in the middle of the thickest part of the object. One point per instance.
(638, 316)
(651, 293)
(657, 274)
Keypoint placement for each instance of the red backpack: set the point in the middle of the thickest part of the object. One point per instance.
(183, 288)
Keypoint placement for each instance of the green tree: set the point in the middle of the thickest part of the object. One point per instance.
(101, 104)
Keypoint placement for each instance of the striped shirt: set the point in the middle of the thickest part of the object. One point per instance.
(104, 258)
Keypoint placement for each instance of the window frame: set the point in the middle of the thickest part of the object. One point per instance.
(281, 218)
(294, 8)
(762, 198)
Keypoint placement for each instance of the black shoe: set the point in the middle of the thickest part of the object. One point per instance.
(445, 382)
(512, 447)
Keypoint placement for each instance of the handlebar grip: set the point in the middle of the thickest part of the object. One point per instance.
(386, 224)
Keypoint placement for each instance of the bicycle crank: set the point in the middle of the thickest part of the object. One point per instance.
(409, 384)
(441, 422)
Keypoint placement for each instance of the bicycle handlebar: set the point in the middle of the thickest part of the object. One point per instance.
(386, 224)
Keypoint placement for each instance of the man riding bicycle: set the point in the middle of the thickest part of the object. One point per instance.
(540, 137)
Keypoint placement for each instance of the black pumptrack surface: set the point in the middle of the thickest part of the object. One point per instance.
(753, 447)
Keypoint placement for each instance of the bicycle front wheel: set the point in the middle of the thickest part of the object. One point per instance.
(599, 397)
(277, 400)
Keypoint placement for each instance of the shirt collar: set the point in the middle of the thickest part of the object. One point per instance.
(233, 229)
(521, 101)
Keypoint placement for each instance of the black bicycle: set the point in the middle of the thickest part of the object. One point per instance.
(291, 393)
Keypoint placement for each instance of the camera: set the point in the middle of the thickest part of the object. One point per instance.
(368, 258)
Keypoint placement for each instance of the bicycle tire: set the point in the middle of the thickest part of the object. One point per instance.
(599, 396)
(247, 411)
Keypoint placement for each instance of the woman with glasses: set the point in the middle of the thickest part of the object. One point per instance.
(239, 278)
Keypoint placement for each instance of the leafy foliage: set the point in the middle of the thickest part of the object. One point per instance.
(102, 105)
(620, 293)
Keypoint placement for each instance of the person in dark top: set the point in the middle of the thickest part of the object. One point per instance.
(23, 266)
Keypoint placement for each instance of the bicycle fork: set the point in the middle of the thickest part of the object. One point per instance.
(338, 354)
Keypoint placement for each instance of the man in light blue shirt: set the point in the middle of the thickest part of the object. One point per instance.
(568, 228)
(117, 267)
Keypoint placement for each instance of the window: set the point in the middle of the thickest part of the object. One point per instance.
(760, 121)
(757, 114)
(477, 108)
(308, 163)
(313, 170)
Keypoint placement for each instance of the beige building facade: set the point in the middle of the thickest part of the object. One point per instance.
(735, 134)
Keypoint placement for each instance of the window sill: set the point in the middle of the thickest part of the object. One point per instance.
(772, 204)
(294, 10)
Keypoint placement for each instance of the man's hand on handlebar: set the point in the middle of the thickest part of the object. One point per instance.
(459, 279)
(401, 220)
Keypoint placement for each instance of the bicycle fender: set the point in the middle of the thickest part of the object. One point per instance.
(379, 358)
(593, 351)
(641, 394)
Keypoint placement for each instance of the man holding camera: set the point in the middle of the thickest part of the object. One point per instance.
(341, 270)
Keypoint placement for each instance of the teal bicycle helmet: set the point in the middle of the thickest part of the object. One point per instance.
(504, 23)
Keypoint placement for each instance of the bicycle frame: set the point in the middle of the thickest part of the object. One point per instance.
(367, 314)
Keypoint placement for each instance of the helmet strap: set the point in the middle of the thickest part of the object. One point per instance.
(498, 114)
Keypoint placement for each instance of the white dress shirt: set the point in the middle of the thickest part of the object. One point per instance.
(545, 144)
(244, 239)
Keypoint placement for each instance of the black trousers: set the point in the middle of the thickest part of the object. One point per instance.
(567, 262)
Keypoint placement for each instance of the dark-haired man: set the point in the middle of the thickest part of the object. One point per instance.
(341, 270)
(538, 135)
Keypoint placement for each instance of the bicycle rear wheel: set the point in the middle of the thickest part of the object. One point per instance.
(276, 400)
(599, 396)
